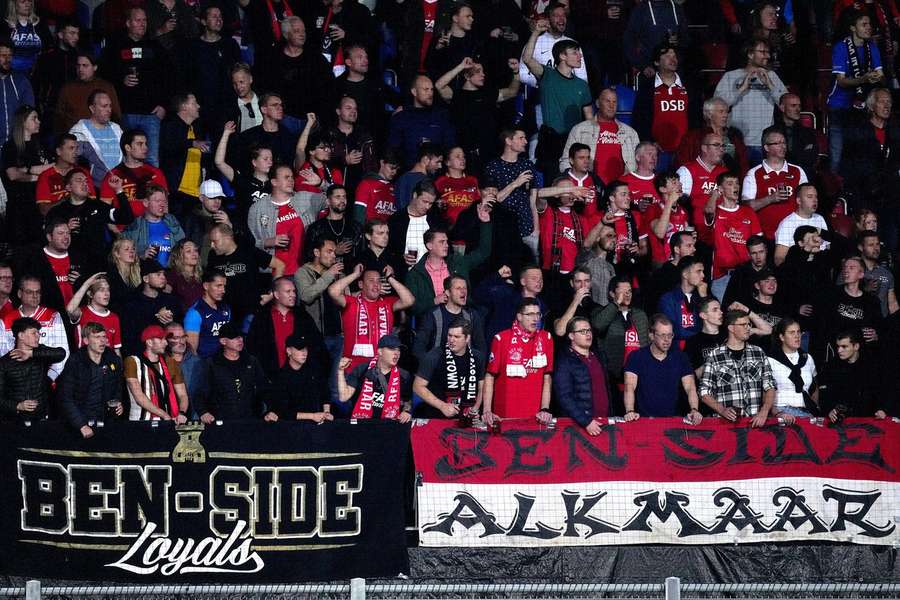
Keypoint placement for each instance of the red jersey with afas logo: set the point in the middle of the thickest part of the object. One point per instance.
(640, 186)
(762, 181)
(670, 116)
(698, 181)
(608, 162)
(62, 266)
(289, 223)
(678, 221)
(429, 9)
(134, 182)
(456, 194)
(377, 197)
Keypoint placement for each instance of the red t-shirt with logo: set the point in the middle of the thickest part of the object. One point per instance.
(51, 187)
(567, 244)
(640, 186)
(283, 326)
(703, 182)
(678, 221)
(289, 223)
(767, 182)
(623, 239)
(730, 231)
(456, 194)
(518, 397)
(670, 116)
(377, 197)
(110, 322)
(608, 162)
(61, 266)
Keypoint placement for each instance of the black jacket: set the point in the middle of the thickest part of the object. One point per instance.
(303, 390)
(27, 380)
(398, 225)
(854, 386)
(33, 261)
(573, 388)
(261, 340)
(89, 240)
(235, 388)
(173, 148)
(76, 405)
(870, 170)
(153, 69)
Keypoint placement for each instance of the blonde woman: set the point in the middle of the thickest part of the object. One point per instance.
(124, 273)
(184, 273)
(29, 35)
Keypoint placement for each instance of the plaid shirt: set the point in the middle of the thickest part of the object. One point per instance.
(737, 383)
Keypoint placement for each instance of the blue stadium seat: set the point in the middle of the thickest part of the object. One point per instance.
(626, 95)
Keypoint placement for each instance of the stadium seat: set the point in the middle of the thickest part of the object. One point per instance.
(625, 106)
(716, 57)
(808, 119)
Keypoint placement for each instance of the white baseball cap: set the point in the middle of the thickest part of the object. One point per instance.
(212, 189)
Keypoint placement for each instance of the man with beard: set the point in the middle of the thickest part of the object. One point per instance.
(334, 226)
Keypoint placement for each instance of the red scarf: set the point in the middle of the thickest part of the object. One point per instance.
(391, 406)
(159, 387)
(364, 342)
(515, 356)
(276, 26)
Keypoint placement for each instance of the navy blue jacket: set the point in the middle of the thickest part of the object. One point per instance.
(412, 126)
(670, 305)
(572, 386)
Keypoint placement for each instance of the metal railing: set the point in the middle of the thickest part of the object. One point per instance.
(358, 589)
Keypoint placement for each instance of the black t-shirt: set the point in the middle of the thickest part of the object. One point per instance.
(247, 190)
(31, 155)
(433, 369)
(473, 112)
(698, 347)
(771, 314)
(355, 380)
(241, 269)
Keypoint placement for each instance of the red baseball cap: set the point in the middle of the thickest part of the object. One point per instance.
(153, 331)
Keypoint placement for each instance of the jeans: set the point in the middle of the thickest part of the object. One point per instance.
(795, 410)
(149, 124)
(836, 120)
(335, 346)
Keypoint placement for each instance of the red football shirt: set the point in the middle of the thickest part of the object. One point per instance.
(608, 162)
(678, 221)
(377, 197)
(61, 266)
(762, 181)
(110, 322)
(456, 194)
(289, 223)
(730, 231)
(567, 243)
(355, 338)
(133, 181)
(51, 187)
(670, 114)
(518, 397)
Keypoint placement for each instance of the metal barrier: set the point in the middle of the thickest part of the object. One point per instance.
(359, 589)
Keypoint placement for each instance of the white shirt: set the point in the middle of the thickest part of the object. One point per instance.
(785, 395)
(784, 235)
(415, 239)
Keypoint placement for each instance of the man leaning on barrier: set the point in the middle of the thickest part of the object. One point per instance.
(91, 384)
(737, 377)
(24, 386)
(378, 389)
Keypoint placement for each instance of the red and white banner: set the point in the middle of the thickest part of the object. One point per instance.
(658, 481)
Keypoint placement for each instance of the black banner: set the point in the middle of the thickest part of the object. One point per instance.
(242, 502)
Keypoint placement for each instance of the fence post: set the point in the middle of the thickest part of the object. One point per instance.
(32, 589)
(357, 588)
(673, 588)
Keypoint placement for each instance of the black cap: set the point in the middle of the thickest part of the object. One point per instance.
(390, 341)
(150, 265)
(295, 341)
(230, 330)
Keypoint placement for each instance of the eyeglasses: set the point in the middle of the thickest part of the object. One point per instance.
(584, 331)
(663, 336)
(6, 277)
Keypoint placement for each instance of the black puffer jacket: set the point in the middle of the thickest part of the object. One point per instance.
(27, 380)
